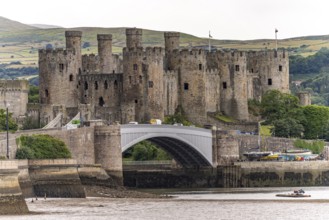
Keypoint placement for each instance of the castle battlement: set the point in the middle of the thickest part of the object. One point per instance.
(73, 33)
(171, 34)
(268, 54)
(89, 56)
(212, 72)
(139, 51)
(56, 52)
(134, 31)
(104, 36)
(170, 73)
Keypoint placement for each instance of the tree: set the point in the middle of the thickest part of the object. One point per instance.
(287, 127)
(317, 121)
(276, 105)
(11, 123)
(86, 44)
(33, 95)
(146, 150)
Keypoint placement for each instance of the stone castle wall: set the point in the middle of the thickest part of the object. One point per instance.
(155, 81)
(14, 95)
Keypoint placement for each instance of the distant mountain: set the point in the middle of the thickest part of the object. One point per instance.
(45, 26)
(10, 25)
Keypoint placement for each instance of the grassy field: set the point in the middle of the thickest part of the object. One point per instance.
(23, 45)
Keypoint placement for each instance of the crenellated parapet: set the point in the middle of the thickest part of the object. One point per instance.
(48, 55)
(90, 64)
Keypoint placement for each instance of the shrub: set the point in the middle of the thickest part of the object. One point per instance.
(315, 146)
(41, 147)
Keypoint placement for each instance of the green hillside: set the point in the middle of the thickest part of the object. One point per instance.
(20, 42)
(10, 25)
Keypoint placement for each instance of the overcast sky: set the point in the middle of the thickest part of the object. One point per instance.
(226, 19)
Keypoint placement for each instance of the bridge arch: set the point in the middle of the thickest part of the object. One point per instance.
(191, 147)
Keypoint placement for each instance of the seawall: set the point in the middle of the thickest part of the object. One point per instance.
(55, 178)
(241, 174)
(11, 199)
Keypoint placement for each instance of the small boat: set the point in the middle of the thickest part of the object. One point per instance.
(295, 194)
(256, 155)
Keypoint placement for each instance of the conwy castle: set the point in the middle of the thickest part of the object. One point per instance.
(154, 82)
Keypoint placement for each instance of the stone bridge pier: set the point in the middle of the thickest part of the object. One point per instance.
(108, 152)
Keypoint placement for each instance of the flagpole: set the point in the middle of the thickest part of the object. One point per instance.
(209, 42)
(276, 39)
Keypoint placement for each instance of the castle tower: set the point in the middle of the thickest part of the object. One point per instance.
(73, 41)
(142, 84)
(233, 92)
(269, 70)
(58, 77)
(133, 37)
(171, 44)
(105, 52)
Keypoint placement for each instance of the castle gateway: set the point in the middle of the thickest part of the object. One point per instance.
(153, 82)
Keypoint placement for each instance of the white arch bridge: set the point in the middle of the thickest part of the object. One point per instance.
(188, 145)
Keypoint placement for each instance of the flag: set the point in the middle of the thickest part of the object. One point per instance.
(276, 30)
(210, 35)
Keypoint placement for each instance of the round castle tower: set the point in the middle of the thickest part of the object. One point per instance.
(58, 76)
(142, 80)
(133, 37)
(105, 52)
(233, 80)
(73, 41)
(171, 44)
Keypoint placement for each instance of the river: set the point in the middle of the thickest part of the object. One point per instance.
(246, 203)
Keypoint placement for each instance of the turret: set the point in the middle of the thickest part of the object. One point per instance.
(171, 41)
(73, 41)
(105, 52)
(133, 37)
(171, 44)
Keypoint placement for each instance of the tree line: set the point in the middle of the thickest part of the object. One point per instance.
(289, 119)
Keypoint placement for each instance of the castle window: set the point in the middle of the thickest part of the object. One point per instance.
(224, 85)
(140, 79)
(185, 86)
(113, 71)
(237, 68)
(275, 53)
(96, 85)
(241, 54)
(46, 93)
(136, 101)
(129, 79)
(79, 70)
(86, 86)
(135, 66)
(284, 54)
(143, 67)
(280, 68)
(71, 77)
(101, 101)
(150, 84)
(200, 66)
(61, 67)
(106, 86)
(115, 84)
(252, 70)
(269, 82)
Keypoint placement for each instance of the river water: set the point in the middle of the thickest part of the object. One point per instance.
(235, 204)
